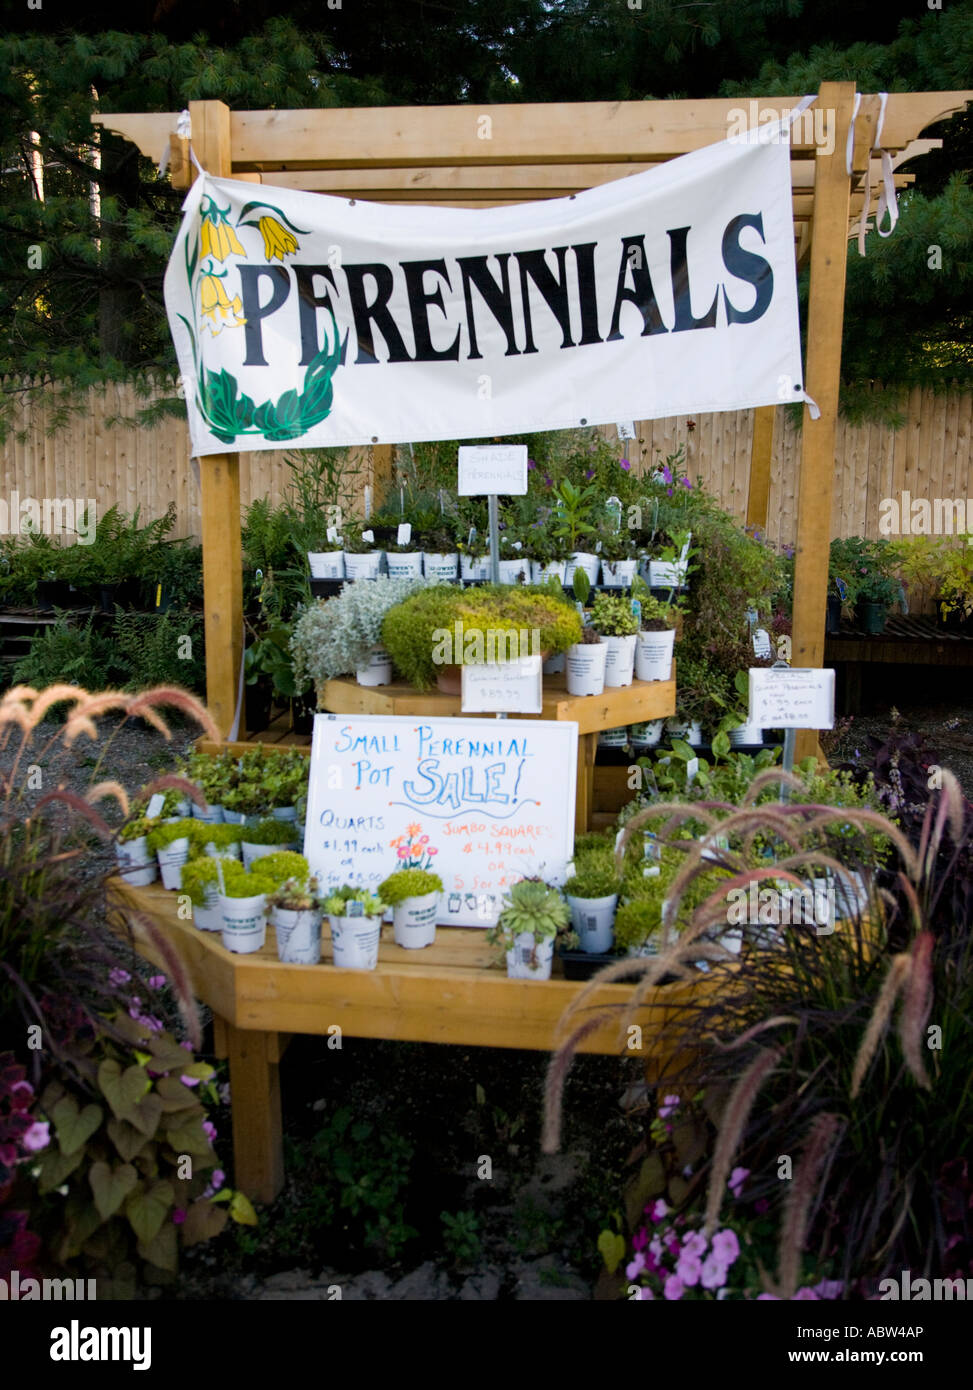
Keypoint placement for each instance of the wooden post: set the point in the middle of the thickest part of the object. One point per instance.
(258, 1146)
(382, 479)
(832, 189)
(761, 450)
(219, 483)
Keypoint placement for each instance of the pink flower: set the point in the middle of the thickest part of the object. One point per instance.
(669, 1104)
(640, 1239)
(186, 1044)
(635, 1266)
(673, 1288)
(218, 1179)
(646, 1293)
(830, 1288)
(657, 1211)
(433, 851)
(423, 839)
(118, 977)
(736, 1180)
(688, 1268)
(403, 853)
(21, 1096)
(726, 1247)
(37, 1137)
(713, 1274)
(189, 1080)
(626, 465)
(156, 981)
(805, 1296)
(695, 1243)
(178, 1216)
(209, 1129)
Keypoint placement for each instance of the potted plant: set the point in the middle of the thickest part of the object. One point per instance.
(242, 899)
(266, 838)
(514, 563)
(214, 776)
(655, 640)
(618, 559)
(585, 664)
(954, 601)
(245, 804)
(592, 895)
(294, 909)
(671, 569)
(201, 884)
(355, 916)
(363, 559)
(531, 917)
(574, 524)
(220, 841)
(616, 624)
(413, 895)
(403, 557)
(325, 556)
(336, 636)
(646, 735)
(170, 842)
(548, 550)
(267, 670)
(434, 633)
(440, 558)
(474, 557)
(136, 862)
(638, 926)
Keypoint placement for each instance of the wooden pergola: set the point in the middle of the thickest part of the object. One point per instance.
(470, 156)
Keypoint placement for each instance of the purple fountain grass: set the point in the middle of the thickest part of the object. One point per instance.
(171, 781)
(916, 1006)
(101, 790)
(176, 970)
(738, 1107)
(557, 1073)
(891, 986)
(79, 804)
(803, 1187)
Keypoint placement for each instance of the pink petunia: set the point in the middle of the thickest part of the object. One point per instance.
(189, 1080)
(635, 1266)
(658, 1211)
(156, 981)
(626, 465)
(688, 1268)
(640, 1239)
(673, 1287)
(713, 1273)
(726, 1247)
(178, 1216)
(209, 1129)
(736, 1180)
(218, 1179)
(37, 1137)
(669, 1103)
(695, 1243)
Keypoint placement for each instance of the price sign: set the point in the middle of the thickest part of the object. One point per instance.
(503, 687)
(791, 698)
(500, 469)
(626, 429)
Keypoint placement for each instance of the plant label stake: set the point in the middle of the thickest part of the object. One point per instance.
(494, 470)
(791, 698)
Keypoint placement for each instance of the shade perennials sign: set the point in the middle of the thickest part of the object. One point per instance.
(329, 321)
(480, 802)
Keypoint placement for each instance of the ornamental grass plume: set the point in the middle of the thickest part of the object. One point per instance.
(801, 1192)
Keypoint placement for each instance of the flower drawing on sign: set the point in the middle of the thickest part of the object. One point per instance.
(215, 304)
(278, 241)
(216, 237)
(413, 848)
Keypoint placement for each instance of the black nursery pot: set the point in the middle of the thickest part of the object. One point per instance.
(257, 701)
(872, 616)
(833, 623)
(303, 710)
(326, 588)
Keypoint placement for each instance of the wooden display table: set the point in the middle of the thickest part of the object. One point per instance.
(637, 703)
(451, 992)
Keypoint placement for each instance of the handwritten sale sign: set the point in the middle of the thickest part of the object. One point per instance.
(794, 697)
(483, 803)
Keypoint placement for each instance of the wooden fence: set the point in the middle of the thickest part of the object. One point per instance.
(930, 456)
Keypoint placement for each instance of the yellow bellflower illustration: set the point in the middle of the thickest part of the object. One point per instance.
(217, 238)
(278, 241)
(215, 303)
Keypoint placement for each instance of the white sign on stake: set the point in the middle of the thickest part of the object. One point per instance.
(791, 698)
(503, 687)
(492, 468)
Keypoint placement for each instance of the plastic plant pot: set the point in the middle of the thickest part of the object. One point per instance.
(439, 566)
(210, 917)
(404, 564)
(585, 560)
(354, 942)
(251, 853)
(613, 738)
(746, 735)
(585, 668)
(653, 655)
(474, 571)
(414, 921)
(554, 665)
(298, 935)
(136, 862)
(326, 564)
(646, 735)
(514, 571)
(540, 573)
(171, 860)
(379, 669)
(232, 850)
(618, 574)
(367, 566)
(244, 923)
(519, 958)
(619, 660)
(594, 921)
(213, 815)
(285, 813)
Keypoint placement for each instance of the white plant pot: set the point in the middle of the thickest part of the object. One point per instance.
(326, 564)
(585, 560)
(618, 574)
(404, 564)
(244, 923)
(234, 817)
(554, 665)
(378, 671)
(540, 573)
(594, 921)
(171, 860)
(213, 815)
(470, 569)
(731, 940)
(367, 566)
(585, 668)
(667, 574)
(514, 571)
(619, 660)
(251, 853)
(355, 941)
(691, 733)
(850, 899)
(414, 921)
(613, 738)
(653, 655)
(648, 948)
(440, 566)
(210, 917)
(230, 851)
(518, 959)
(298, 935)
(746, 734)
(285, 813)
(646, 735)
(136, 862)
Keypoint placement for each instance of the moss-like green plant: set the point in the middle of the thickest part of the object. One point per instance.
(285, 864)
(413, 631)
(135, 828)
(202, 874)
(595, 876)
(637, 922)
(220, 836)
(612, 616)
(162, 835)
(409, 883)
(271, 832)
(238, 883)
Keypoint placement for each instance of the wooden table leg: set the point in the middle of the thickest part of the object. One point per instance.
(258, 1148)
(584, 804)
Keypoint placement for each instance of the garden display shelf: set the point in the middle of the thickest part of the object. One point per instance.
(638, 703)
(451, 992)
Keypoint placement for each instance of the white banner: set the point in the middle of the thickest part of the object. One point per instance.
(309, 319)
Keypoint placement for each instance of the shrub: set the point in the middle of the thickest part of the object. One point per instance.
(333, 637)
(409, 883)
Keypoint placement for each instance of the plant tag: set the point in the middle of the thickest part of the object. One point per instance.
(692, 767)
(333, 536)
(404, 534)
(613, 510)
(508, 687)
(354, 909)
(761, 643)
(791, 698)
(500, 469)
(842, 588)
(637, 610)
(368, 536)
(471, 538)
(155, 806)
(626, 429)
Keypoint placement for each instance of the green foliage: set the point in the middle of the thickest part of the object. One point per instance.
(529, 906)
(867, 570)
(334, 637)
(336, 905)
(462, 1238)
(595, 875)
(638, 921)
(409, 883)
(165, 833)
(239, 883)
(67, 654)
(154, 649)
(271, 832)
(612, 616)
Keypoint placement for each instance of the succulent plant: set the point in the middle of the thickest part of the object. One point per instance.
(530, 907)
